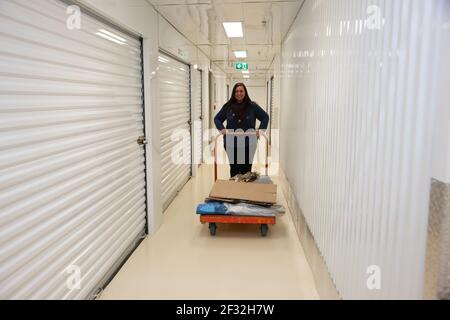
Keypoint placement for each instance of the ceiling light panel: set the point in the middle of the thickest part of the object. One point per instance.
(233, 29)
(240, 54)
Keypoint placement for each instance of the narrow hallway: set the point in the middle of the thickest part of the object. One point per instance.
(182, 260)
(113, 112)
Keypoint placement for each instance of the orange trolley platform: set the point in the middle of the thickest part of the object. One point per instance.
(213, 220)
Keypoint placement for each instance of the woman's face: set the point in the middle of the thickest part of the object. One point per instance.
(239, 94)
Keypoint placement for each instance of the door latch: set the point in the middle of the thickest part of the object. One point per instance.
(142, 141)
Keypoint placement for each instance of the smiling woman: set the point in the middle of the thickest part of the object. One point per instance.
(241, 113)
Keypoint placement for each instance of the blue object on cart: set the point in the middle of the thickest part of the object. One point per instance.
(212, 208)
(244, 209)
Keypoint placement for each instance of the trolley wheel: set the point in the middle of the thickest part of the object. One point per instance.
(264, 229)
(212, 229)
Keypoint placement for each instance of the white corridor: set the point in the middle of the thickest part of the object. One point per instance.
(107, 107)
(182, 260)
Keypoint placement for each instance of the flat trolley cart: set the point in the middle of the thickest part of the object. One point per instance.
(213, 219)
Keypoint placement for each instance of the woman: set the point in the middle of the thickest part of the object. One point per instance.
(241, 113)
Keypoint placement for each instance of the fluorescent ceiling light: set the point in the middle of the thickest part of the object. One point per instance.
(233, 29)
(104, 36)
(245, 72)
(240, 54)
(112, 35)
(246, 76)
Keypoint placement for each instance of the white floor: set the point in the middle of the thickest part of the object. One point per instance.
(182, 261)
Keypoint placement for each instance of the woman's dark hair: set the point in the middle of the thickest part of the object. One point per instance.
(247, 100)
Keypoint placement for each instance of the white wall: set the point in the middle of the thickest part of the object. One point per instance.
(258, 95)
(140, 17)
(356, 128)
(220, 96)
(275, 72)
(441, 147)
(277, 91)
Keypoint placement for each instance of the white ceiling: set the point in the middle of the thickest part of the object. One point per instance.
(265, 22)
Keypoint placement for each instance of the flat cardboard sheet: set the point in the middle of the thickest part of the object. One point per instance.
(254, 192)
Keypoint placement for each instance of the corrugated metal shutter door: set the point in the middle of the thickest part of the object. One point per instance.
(197, 106)
(272, 104)
(175, 119)
(72, 181)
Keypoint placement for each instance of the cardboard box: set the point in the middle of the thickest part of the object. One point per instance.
(253, 192)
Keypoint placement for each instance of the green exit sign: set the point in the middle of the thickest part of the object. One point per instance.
(241, 66)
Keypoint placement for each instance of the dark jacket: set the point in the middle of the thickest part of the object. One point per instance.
(254, 112)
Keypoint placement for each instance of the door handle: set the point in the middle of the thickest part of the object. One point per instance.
(142, 141)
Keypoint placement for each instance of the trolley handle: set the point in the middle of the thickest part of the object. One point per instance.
(241, 134)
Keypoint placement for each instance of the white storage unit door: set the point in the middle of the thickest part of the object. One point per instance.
(272, 104)
(197, 106)
(72, 176)
(174, 93)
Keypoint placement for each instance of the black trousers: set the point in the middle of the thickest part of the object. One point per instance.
(240, 155)
(236, 169)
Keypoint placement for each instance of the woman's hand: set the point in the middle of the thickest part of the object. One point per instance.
(224, 132)
(259, 133)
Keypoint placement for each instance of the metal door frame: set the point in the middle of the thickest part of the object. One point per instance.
(272, 87)
(201, 117)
